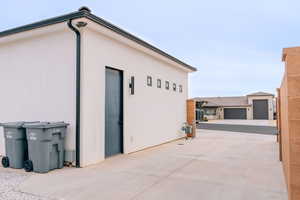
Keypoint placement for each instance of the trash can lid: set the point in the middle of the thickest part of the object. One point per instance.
(15, 124)
(42, 125)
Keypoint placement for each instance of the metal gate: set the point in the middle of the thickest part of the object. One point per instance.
(113, 112)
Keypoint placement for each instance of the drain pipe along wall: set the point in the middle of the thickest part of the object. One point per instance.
(78, 80)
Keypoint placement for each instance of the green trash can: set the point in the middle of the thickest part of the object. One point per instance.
(15, 144)
(45, 146)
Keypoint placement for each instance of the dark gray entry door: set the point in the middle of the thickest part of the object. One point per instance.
(235, 113)
(113, 112)
(260, 109)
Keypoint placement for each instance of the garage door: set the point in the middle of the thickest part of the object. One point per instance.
(260, 109)
(235, 113)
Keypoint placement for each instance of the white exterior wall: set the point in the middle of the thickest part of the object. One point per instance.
(270, 104)
(249, 113)
(221, 113)
(151, 116)
(37, 78)
(37, 81)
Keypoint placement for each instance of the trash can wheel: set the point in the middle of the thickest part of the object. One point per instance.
(5, 162)
(28, 166)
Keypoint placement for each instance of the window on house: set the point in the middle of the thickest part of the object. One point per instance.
(158, 83)
(149, 80)
(174, 86)
(180, 88)
(167, 85)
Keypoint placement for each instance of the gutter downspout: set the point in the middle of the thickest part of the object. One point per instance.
(78, 83)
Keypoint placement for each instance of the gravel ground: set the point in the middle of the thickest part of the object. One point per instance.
(9, 182)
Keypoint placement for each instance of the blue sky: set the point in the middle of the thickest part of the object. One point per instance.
(236, 45)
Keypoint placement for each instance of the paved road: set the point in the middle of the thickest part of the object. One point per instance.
(269, 130)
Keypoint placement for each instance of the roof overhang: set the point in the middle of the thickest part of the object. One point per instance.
(100, 21)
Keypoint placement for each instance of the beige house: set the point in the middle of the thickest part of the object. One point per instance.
(259, 105)
(113, 88)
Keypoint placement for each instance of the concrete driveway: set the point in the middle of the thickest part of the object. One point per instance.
(214, 166)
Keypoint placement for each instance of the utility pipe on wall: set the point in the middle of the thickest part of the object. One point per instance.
(78, 83)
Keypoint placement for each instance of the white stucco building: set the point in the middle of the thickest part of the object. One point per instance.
(119, 93)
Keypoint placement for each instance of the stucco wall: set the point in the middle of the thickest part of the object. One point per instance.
(284, 129)
(270, 105)
(250, 112)
(151, 116)
(289, 121)
(221, 113)
(37, 79)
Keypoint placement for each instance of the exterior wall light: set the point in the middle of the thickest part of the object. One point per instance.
(131, 85)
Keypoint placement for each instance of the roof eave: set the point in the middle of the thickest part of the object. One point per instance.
(88, 15)
(43, 23)
(136, 39)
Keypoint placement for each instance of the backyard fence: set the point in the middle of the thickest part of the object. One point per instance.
(288, 113)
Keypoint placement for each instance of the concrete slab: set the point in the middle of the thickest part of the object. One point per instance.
(177, 188)
(215, 165)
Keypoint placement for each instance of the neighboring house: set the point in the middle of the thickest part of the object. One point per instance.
(119, 93)
(259, 105)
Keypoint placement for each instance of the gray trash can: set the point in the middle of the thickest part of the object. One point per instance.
(15, 144)
(45, 146)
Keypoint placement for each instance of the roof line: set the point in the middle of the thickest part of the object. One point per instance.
(98, 20)
(43, 23)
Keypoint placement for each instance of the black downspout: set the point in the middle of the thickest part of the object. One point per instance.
(78, 80)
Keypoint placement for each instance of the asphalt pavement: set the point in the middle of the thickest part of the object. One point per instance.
(269, 130)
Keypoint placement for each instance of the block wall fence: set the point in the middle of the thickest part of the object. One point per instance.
(288, 101)
(191, 114)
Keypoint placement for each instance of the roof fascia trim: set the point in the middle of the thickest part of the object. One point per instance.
(98, 20)
(136, 39)
(43, 23)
